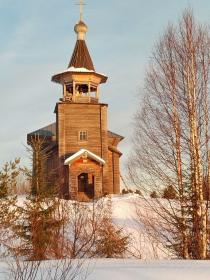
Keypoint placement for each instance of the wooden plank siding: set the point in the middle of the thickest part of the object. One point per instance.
(73, 118)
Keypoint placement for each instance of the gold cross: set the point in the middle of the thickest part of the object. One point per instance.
(81, 8)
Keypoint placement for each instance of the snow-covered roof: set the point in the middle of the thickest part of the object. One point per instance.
(74, 69)
(82, 152)
(78, 70)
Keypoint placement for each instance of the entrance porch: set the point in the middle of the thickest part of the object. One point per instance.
(85, 176)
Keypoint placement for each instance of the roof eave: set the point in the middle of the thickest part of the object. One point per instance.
(78, 154)
(57, 78)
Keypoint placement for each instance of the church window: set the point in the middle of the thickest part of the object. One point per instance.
(83, 135)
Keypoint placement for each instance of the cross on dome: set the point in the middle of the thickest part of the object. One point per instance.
(81, 8)
(81, 28)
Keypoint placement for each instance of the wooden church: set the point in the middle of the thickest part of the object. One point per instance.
(83, 152)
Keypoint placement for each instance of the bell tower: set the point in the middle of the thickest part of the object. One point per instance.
(80, 81)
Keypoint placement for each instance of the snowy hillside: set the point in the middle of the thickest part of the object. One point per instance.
(125, 210)
(145, 259)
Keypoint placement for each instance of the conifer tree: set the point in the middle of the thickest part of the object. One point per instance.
(169, 192)
(8, 177)
(154, 194)
(40, 211)
(8, 213)
(111, 242)
(37, 232)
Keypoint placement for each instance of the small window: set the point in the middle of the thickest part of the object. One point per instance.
(83, 136)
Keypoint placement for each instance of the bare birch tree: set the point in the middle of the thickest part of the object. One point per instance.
(171, 140)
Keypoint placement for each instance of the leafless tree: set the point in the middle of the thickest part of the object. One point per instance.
(42, 179)
(82, 222)
(62, 269)
(171, 140)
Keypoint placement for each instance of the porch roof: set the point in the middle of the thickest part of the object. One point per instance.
(82, 152)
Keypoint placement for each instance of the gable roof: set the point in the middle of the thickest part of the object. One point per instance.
(81, 152)
(81, 57)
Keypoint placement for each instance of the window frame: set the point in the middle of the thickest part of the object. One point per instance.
(83, 136)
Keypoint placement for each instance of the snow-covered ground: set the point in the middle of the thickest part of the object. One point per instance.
(125, 212)
(152, 270)
(104, 269)
(153, 263)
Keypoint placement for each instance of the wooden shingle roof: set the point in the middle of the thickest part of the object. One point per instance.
(81, 57)
(47, 131)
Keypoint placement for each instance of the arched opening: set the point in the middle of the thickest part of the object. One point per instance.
(86, 184)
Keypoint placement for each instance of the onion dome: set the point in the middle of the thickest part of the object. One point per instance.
(80, 29)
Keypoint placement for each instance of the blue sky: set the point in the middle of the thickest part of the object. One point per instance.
(37, 40)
